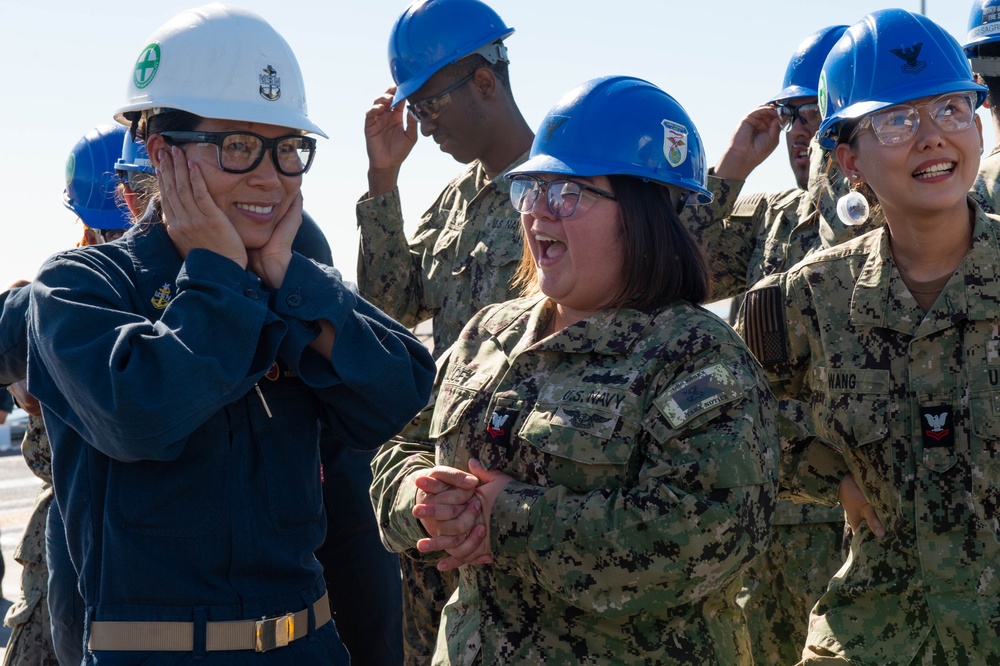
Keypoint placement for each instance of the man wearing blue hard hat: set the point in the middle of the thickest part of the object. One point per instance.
(982, 46)
(765, 234)
(450, 71)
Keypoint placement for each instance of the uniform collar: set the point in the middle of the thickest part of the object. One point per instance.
(611, 332)
(970, 294)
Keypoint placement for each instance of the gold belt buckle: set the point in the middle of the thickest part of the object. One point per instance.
(274, 632)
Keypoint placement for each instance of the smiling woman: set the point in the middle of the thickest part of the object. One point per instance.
(205, 502)
(885, 345)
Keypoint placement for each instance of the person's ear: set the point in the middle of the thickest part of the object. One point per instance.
(485, 83)
(848, 160)
(154, 144)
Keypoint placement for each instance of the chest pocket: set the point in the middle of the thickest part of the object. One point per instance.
(501, 244)
(771, 259)
(579, 447)
(985, 411)
(851, 405)
(452, 411)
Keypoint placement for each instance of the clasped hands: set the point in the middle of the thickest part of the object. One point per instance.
(455, 507)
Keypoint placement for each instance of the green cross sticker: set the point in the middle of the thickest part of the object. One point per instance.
(823, 94)
(146, 66)
(70, 167)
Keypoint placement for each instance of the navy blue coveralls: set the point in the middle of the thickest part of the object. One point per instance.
(183, 407)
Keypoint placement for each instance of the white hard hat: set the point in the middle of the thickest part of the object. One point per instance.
(219, 61)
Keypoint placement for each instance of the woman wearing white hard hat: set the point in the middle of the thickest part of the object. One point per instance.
(184, 371)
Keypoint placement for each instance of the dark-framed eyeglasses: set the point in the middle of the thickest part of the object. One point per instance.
(564, 197)
(135, 180)
(108, 235)
(241, 152)
(807, 114)
(430, 108)
(951, 112)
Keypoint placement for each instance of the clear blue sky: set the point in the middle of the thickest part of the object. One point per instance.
(67, 63)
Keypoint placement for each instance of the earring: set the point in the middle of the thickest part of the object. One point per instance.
(852, 208)
(854, 176)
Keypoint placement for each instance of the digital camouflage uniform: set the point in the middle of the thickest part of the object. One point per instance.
(909, 403)
(642, 448)
(767, 234)
(985, 189)
(30, 641)
(461, 259)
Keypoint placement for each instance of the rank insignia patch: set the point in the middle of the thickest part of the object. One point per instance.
(498, 431)
(937, 427)
(161, 297)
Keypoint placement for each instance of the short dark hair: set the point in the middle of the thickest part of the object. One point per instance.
(469, 64)
(661, 262)
(991, 50)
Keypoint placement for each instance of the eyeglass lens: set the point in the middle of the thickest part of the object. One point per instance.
(432, 107)
(898, 124)
(807, 114)
(562, 196)
(242, 152)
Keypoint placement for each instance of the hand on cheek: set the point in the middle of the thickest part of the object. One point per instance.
(192, 218)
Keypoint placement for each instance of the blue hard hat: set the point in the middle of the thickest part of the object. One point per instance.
(431, 34)
(802, 74)
(889, 57)
(620, 125)
(134, 156)
(91, 179)
(984, 26)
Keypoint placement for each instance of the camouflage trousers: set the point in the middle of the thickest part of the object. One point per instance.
(30, 642)
(783, 584)
(425, 593)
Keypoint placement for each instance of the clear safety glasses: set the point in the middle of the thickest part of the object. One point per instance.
(898, 124)
(241, 152)
(807, 114)
(564, 197)
(432, 107)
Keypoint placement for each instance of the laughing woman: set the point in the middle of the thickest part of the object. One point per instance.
(607, 444)
(890, 343)
(184, 370)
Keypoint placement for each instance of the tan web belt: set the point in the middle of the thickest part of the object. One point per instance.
(258, 635)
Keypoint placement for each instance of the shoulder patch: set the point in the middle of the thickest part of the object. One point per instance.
(747, 205)
(698, 393)
(764, 325)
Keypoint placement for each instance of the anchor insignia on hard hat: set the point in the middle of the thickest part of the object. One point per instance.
(910, 55)
(161, 297)
(675, 142)
(270, 84)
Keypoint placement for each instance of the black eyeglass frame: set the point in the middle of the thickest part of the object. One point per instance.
(794, 113)
(414, 107)
(217, 138)
(543, 188)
